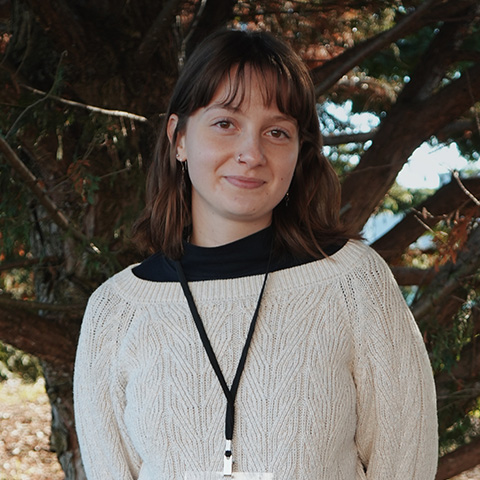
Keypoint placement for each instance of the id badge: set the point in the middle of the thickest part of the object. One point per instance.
(234, 476)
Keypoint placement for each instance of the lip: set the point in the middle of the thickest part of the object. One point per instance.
(244, 182)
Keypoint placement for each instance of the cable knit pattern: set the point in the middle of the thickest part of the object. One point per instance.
(337, 385)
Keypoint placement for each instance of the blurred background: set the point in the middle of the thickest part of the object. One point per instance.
(83, 88)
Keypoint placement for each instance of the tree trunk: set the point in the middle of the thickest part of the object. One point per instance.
(52, 286)
(63, 440)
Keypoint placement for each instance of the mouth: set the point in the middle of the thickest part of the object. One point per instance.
(244, 182)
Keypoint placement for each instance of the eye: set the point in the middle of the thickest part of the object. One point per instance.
(279, 133)
(223, 124)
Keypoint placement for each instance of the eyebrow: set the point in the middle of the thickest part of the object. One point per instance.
(277, 118)
(222, 106)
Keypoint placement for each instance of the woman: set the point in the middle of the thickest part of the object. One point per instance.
(259, 338)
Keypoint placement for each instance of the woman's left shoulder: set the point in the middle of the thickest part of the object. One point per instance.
(364, 254)
(354, 261)
(360, 262)
(354, 257)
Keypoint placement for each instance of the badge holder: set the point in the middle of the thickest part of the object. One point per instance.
(234, 476)
(228, 474)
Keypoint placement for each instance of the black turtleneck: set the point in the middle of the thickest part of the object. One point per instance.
(242, 258)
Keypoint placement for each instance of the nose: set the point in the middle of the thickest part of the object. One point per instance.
(250, 151)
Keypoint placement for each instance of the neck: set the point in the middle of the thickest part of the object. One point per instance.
(205, 236)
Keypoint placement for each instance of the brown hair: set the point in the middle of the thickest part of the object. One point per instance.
(310, 220)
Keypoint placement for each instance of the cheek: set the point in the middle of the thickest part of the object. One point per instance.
(202, 172)
(289, 169)
(195, 174)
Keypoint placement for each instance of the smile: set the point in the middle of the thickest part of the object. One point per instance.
(244, 182)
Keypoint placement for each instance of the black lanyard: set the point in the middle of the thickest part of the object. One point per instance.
(230, 393)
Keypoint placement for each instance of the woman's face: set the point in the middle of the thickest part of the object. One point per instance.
(241, 160)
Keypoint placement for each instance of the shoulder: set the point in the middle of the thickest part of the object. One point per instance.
(364, 271)
(127, 283)
(118, 284)
(120, 301)
(355, 276)
(125, 290)
(108, 300)
(354, 259)
(357, 257)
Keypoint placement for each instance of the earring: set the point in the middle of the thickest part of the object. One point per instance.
(287, 198)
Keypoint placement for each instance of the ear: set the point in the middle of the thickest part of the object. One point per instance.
(171, 127)
(177, 139)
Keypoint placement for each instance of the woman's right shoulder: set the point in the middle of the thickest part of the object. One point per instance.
(123, 297)
(108, 316)
(125, 289)
(118, 283)
(114, 294)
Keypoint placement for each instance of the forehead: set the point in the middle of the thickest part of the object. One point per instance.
(248, 84)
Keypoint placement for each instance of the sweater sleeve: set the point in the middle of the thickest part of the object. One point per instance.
(396, 405)
(106, 451)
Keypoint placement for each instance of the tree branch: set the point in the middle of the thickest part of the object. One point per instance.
(34, 184)
(345, 138)
(455, 128)
(183, 44)
(152, 39)
(39, 336)
(449, 278)
(29, 305)
(422, 109)
(45, 97)
(28, 262)
(216, 14)
(445, 200)
(325, 76)
(90, 108)
(413, 276)
(467, 192)
(408, 125)
(458, 461)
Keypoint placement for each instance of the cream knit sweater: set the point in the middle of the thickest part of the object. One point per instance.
(337, 384)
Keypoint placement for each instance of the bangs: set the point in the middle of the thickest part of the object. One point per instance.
(278, 87)
(275, 87)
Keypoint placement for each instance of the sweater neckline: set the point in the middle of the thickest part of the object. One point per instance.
(353, 256)
(247, 256)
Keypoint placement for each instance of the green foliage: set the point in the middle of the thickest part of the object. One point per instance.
(469, 145)
(14, 362)
(30, 47)
(460, 432)
(397, 62)
(15, 221)
(17, 282)
(400, 199)
(447, 344)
